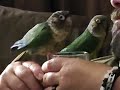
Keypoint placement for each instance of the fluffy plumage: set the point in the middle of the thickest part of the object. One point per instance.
(48, 36)
(91, 40)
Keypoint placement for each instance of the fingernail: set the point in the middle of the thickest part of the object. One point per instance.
(44, 66)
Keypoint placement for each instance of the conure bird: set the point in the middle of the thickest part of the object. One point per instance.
(91, 40)
(46, 37)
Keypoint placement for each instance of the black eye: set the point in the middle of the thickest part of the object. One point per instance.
(61, 17)
(98, 21)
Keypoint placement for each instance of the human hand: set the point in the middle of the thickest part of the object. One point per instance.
(73, 74)
(21, 76)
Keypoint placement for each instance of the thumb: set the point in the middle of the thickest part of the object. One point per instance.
(53, 65)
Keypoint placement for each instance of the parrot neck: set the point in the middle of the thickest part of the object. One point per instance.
(97, 34)
(59, 34)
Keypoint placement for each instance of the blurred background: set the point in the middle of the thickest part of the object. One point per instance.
(14, 23)
(79, 7)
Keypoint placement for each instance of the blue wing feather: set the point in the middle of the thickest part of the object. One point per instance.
(31, 36)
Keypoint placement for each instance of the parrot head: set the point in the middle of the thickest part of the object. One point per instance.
(115, 43)
(98, 26)
(60, 23)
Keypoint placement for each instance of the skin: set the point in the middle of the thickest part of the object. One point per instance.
(21, 76)
(116, 5)
(66, 73)
(69, 74)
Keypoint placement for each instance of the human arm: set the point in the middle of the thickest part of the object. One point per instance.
(75, 74)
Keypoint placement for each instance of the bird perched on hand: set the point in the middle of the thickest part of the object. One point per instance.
(46, 37)
(92, 38)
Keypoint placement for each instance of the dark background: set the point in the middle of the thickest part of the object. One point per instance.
(80, 7)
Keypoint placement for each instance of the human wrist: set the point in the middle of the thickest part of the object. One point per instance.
(96, 73)
(100, 76)
(117, 84)
(111, 79)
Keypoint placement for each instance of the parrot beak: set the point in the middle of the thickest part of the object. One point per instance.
(66, 13)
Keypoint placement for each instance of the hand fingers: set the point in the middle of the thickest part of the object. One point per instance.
(50, 88)
(26, 76)
(35, 68)
(55, 88)
(9, 81)
(50, 79)
(52, 65)
(5, 88)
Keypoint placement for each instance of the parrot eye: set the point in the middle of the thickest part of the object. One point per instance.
(98, 21)
(62, 17)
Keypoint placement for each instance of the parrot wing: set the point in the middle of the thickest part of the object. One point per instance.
(34, 37)
(85, 42)
(91, 40)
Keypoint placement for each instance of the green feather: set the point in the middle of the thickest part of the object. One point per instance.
(91, 40)
(41, 35)
(83, 43)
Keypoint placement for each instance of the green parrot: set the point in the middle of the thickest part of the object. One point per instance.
(46, 37)
(91, 40)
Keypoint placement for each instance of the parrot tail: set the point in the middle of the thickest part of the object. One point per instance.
(17, 45)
